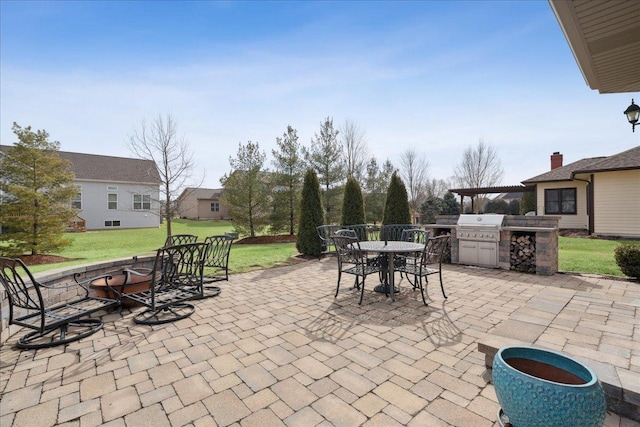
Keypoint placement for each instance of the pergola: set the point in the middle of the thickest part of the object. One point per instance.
(462, 192)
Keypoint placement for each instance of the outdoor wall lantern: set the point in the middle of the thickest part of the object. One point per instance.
(633, 113)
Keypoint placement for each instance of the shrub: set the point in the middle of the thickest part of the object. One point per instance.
(628, 259)
(396, 208)
(308, 241)
(352, 204)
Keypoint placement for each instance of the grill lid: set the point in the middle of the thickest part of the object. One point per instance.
(485, 220)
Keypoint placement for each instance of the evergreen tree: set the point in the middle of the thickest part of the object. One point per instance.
(528, 202)
(431, 207)
(514, 207)
(37, 188)
(308, 241)
(449, 205)
(326, 157)
(288, 175)
(246, 190)
(396, 208)
(352, 204)
(375, 189)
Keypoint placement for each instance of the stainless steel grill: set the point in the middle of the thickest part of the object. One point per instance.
(478, 238)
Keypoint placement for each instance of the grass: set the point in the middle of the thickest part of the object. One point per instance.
(594, 256)
(95, 246)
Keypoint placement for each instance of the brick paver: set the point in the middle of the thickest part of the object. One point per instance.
(276, 349)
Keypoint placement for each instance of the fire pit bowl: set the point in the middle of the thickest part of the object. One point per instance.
(136, 284)
(538, 387)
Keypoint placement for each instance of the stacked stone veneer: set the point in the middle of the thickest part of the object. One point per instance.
(544, 227)
(63, 293)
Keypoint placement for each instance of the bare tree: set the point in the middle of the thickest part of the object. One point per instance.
(354, 144)
(480, 167)
(414, 169)
(159, 142)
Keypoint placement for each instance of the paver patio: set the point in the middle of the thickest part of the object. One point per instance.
(276, 349)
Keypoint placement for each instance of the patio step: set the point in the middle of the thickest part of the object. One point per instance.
(621, 386)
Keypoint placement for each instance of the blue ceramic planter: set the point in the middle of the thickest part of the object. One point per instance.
(543, 388)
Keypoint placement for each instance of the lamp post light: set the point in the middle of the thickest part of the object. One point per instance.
(633, 114)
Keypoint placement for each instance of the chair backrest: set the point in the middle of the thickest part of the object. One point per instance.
(348, 249)
(373, 232)
(360, 229)
(346, 232)
(394, 231)
(22, 289)
(218, 251)
(415, 235)
(180, 239)
(436, 249)
(178, 266)
(325, 232)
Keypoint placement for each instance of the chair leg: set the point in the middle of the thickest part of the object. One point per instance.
(361, 290)
(441, 285)
(419, 280)
(338, 287)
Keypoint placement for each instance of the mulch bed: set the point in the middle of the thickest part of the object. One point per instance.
(266, 239)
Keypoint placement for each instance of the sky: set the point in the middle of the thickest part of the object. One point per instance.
(434, 76)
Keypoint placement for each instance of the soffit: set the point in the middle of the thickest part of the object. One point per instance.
(605, 39)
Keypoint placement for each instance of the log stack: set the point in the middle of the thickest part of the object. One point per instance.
(523, 252)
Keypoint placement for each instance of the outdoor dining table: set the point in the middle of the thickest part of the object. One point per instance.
(390, 248)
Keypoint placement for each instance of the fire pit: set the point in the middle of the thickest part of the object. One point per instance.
(136, 284)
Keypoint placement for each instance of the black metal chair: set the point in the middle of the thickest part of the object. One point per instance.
(352, 260)
(217, 261)
(325, 232)
(52, 324)
(361, 230)
(180, 239)
(393, 232)
(428, 262)
(177, 278)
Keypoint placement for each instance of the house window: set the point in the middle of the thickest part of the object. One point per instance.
(114, 223)
(112, 201)
(560, 201)
(141, 202)
(215, 207)
(76, 201)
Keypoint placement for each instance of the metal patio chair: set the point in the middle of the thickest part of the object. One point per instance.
(217, 261)
(177, 278)
(428, 262)
(352, 260)
(52, 324)
(180, 239)
(325, 232)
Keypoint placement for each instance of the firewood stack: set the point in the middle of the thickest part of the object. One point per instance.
(523, 253)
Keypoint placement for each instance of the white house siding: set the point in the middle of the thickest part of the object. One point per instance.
(578, 221)
(95, 206)
(617, 203)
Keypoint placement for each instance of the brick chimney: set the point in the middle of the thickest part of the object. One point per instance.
(556, 160)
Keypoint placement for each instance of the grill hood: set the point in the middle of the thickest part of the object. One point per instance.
(485, 220)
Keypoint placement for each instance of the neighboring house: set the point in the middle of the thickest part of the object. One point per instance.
(115, 192)
(202, 203)
(599, 194)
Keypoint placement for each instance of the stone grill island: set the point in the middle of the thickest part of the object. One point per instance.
(540, 234)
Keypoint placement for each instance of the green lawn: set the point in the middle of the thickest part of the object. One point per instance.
(575, 254)
(589, 255)
(95, 246)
